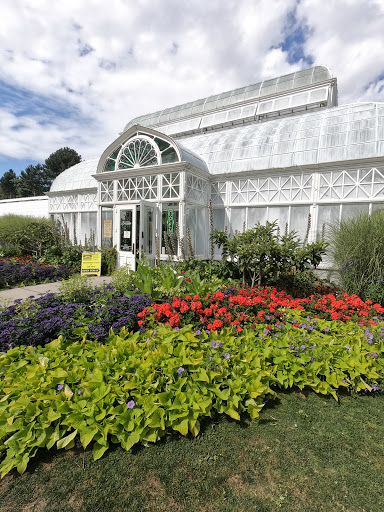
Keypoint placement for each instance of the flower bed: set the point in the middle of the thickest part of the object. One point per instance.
(37, 322)
(247, 307)
(22, 272)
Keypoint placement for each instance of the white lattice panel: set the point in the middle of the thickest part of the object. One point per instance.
(356, 184)
(63, 203)
(133, 189)
(273, 188)
(171, 186)
(218, 192)
(196, 189)
(106, 191)
(88, 202)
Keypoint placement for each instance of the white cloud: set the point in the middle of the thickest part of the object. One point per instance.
(98, 64)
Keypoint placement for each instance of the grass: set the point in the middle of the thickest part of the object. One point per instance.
(304, 454)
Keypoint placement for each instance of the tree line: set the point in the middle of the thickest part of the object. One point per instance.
(37, 179)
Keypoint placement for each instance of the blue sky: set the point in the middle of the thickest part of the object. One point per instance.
(74, 73)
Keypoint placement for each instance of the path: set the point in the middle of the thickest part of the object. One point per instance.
(38, 290)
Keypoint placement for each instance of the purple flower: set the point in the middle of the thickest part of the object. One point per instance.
(348, 347)
(267, 317)
(220, 344)
(375, 387)
(374, 354)
(207, 331)
(291, 347)
(304, 326)
(278, 326)
(177, 328)
(326, 329)
(198, 332)
(310, 328)
(302, 347)
(313, 347)
(180, 371)
(312, 359)
(214, 344)
(205, 383)
(60, 387)
(79, 392)
(265, 332)
(131, 404)
(343, 380)
(226, 355)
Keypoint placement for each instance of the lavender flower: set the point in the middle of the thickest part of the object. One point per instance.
(226, 356)
(60, 387)
(326, 329)
(266, 332)
(214, 344)
(180, 371)
(131, 404)
(198, 332)
(291, 347)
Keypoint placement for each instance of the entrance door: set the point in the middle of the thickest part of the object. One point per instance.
(127, 219)
(147, 231)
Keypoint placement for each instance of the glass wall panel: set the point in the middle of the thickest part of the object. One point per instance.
(106, 227)
(279, 213)
(88, 227)
(299, 220)
(256, 215)
(169, 222)
(238, 218)
(352, 210)
(328, 215)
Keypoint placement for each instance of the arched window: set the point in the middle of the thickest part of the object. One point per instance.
(141, 150)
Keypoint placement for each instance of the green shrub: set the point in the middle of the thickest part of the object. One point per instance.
(108, 260)
(357, 248)
(264, 257)
(75, 289)
(31, 235)
(10, 250)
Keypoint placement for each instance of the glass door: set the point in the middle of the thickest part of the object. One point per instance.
(127, 217)
(147, 231)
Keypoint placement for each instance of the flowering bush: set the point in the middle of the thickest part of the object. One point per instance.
(21, 271)
(246, 307)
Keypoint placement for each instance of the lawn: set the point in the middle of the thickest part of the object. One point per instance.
(305, 453)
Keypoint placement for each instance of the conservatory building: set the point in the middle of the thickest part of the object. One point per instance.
(277, 150)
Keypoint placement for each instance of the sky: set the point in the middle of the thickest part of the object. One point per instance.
(74, 72)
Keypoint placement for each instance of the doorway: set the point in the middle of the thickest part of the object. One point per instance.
(136, 231)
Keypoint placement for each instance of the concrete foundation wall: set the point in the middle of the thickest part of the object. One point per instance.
(31, 206)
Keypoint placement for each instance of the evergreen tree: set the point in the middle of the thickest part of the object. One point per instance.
(8, 185)
(32, 181)
(59, 161)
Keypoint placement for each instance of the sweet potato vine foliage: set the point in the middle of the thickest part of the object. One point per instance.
(137, 388)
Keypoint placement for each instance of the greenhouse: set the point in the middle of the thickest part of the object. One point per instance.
(277, 150)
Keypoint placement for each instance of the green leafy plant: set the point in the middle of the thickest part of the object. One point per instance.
(138, 387)
(76, 289)
(263, 256)
(108, 260)
(30, 235)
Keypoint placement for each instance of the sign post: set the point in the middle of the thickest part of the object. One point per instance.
(91, 264)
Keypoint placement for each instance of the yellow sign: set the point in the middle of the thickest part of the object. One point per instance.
(91, 264)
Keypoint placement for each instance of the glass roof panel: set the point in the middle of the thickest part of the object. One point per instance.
(285, 82)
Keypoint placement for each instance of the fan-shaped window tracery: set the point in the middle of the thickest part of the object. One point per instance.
(141, 150)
